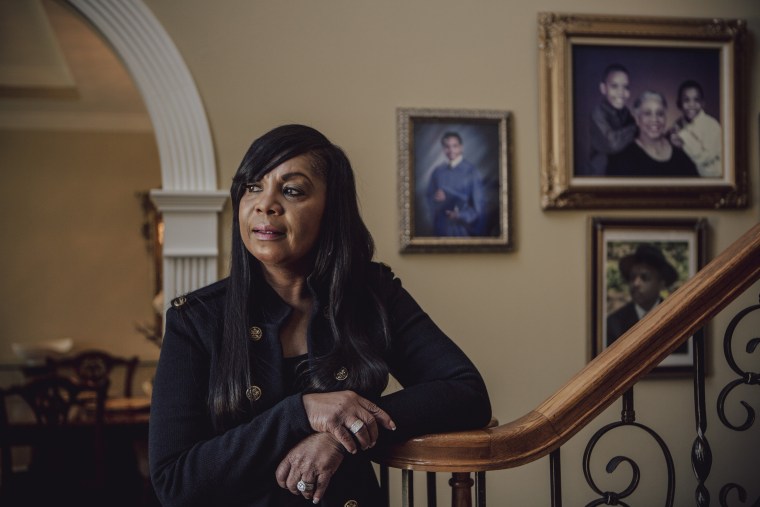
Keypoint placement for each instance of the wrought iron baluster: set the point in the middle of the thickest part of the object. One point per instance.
(555, 476)
(480, 489)
(628, 418)
(748, 378)
(744, 378)
(407, 488)
(384, 485)
(701, 455)
(432, 500)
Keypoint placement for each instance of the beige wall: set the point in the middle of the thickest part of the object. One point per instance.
(344, 67)
(73, 260)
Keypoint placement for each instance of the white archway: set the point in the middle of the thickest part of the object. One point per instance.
(189, 201)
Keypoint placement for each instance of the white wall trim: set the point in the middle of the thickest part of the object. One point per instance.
(175, 201)
(188, 200)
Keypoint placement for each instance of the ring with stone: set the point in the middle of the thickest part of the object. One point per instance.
(304, 487)
(356, 426)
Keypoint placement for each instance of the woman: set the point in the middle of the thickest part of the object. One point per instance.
(651, 153)
(268, 388)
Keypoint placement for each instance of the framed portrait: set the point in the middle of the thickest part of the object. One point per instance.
(454, 192)
(635, 265)
(642, 112)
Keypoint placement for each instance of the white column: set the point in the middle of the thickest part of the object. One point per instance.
(190, 250)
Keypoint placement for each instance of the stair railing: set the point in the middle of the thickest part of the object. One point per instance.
(594, 388)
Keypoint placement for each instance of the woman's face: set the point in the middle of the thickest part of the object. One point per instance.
(651, 119)
(280, 215)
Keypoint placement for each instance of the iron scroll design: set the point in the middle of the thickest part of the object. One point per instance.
(748, 378)
(740, 491)
(745, 377)
(628, 418)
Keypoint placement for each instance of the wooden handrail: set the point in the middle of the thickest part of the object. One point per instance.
(599, 383)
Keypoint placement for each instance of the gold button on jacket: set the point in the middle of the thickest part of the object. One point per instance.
(253, 393)
(256, 333)
(179, 301)
(341, 373)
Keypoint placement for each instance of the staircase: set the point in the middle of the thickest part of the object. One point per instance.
(610, 376)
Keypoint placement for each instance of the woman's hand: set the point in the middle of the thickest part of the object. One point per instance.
(311, 463)
(345, 414)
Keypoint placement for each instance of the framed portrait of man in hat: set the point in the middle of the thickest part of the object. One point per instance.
(636, 264)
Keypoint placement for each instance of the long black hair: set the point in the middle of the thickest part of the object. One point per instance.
(342, 256)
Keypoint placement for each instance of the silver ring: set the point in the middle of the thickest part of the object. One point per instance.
(356, 426)
(304, 486)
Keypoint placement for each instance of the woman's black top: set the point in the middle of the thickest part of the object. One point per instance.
(192, 464)
(634, 161)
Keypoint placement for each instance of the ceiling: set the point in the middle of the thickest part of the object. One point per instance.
(57, 72)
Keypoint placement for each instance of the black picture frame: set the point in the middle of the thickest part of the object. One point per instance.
(682, 245)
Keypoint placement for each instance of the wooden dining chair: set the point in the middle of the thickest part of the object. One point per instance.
(64, 430)
(95, 367)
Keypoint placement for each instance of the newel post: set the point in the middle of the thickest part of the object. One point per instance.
(461, 489)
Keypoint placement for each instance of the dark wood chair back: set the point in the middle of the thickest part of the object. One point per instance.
(64, 431)
(94, 367)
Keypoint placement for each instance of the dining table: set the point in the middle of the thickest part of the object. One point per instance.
(124, 460)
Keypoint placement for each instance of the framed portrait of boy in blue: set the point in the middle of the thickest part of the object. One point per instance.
(642, 112)
(454, 180)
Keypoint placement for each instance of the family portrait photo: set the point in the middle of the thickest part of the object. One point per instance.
(454, 181)
(641, 111)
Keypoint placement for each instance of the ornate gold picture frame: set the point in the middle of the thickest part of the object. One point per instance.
(454, 191)
(642, 112)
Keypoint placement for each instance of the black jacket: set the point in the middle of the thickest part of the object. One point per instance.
(193, 465)
(621, 321)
